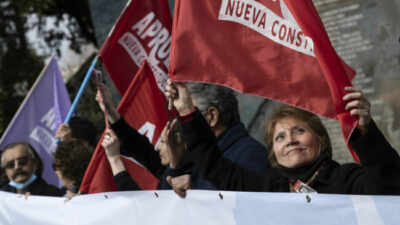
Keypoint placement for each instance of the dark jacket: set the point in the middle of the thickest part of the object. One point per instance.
(38, 187)
(239, 147)
(138, 146)
(124, 182)
(236, 145)
(379, 173)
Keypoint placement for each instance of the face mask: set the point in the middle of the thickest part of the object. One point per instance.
(73, 190)
(23, 185)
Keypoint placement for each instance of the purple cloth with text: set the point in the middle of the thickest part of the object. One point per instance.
(41, 113)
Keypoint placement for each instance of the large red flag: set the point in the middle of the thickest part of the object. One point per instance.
(142, 32)
(149, 118)
(276, 49)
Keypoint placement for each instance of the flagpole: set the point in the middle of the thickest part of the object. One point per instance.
(26, 97)
(80, 92)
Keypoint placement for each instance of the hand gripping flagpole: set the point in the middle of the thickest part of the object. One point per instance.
(80, 92)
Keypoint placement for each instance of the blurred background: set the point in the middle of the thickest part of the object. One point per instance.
(365, 33)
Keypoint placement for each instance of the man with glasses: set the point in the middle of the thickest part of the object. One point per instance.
(23, 168)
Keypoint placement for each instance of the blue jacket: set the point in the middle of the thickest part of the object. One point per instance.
(239, 147)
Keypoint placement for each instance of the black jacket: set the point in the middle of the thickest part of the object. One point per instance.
(379, 173)
(138, 146)
(239, 147)
(38, 187)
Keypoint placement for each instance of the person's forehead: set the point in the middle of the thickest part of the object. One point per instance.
(15, 152)
(288, 123)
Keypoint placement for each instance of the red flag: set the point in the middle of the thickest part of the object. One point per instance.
(275, 49)
(142, 32)
(150, 117)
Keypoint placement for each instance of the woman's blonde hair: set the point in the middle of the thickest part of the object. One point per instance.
(291, 112)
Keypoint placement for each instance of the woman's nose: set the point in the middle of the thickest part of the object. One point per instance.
(292, 139)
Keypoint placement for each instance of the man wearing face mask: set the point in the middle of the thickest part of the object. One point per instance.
(23, 168)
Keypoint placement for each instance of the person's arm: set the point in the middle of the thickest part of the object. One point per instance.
(111, 147)
(380, 163)
(204, 151)
(121, 177)
(124, 182)
(221, 172)
(138, 146)
(133, 144)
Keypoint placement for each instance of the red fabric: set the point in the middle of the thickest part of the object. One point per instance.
(155, 45)
(233, 53)
(143, 92)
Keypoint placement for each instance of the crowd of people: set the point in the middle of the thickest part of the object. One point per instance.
(207, 147)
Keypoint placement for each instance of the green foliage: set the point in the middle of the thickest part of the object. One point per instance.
(19, 63)
(22, 73)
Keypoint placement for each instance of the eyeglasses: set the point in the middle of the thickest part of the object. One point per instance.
(22, 161)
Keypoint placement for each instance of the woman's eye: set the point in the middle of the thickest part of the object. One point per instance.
(299, 130)
(279, 138)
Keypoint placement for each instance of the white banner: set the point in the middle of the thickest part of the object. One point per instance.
(200, 207)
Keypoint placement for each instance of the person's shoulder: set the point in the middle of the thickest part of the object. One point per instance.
(251, 144)
(45, 189)
(7, 188)
(54, 191)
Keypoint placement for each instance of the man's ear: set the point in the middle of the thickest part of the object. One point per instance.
(213, 116)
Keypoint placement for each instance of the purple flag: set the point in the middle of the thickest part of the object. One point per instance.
(37, 119)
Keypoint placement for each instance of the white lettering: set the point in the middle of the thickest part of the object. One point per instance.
(156, 42)
(148, 130)
(49, 119)
(143, 23)
(133, 47)
(44, 138)
(263, 20)
(153, 30)
(149, 41)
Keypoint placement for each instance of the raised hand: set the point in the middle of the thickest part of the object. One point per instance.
(181, 97)
(110, 144)
(64, 132)
(359, 106)
(175, 148)
(113, 114)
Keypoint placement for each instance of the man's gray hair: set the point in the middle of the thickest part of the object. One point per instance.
(222, 98)
(27, 146)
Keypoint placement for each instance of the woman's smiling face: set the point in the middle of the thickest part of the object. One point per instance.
(294, 143)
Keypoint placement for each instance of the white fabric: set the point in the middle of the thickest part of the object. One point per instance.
(200, 207)
(366, 212)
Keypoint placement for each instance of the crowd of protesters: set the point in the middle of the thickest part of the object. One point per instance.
(207, 147)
